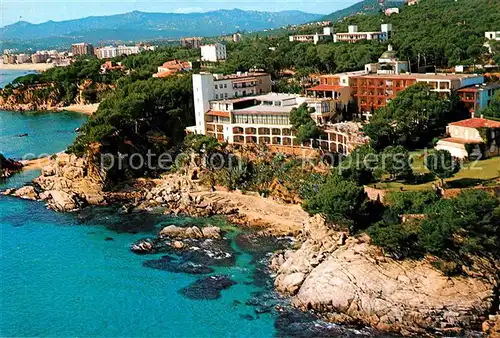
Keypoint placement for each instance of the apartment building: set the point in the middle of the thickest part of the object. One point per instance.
(314, 38)
(379, 83)
(214, 52)
(265, 119)
(82, 48)
(109, 52)
(208, 87)
(40, 57)
(8, 58)
(22, 58)
(477, 97)
(353, 35)
(192, 42)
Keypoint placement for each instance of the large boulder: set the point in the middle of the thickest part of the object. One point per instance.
(349, 280)
(28, 192)
(173, 231)
(62, 201)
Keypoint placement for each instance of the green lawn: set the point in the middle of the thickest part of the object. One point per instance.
(485, 172)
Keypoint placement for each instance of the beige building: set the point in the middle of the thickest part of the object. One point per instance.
(193, 42)
(467, 138)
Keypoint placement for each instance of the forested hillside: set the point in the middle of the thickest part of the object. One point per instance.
(437, 32)
(362, 7)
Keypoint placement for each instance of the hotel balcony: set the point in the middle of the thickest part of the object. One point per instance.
(238, 130)
(264, 131)
(250, 131)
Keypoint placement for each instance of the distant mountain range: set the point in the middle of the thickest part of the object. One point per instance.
(364, 7)
(140, 25)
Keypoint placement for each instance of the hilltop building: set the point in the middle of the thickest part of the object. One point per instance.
(315, 38)
(193, 42)
(491, 36)
(467, 138)
(353, 35)
(208, 87)
(82, 48)
(390, 11)
(213, 53)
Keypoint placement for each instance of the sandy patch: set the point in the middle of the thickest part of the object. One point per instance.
(87, 109)
(27, 66)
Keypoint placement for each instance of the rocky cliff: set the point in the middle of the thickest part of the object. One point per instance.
(350, 281)
(49, 96)
(36, 97)
(9, 167)
(66, 184)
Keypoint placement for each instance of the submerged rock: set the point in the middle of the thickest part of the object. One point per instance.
(173, 231)
(167, 263)
(208, 288)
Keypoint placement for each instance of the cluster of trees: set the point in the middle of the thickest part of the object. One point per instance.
(276, 53)
(303, 125)
(422, 35)
(455, 230)
(493, 109)
(62, 83)
(414, 118)
(413, 224)
(440, 33)
(140, 116)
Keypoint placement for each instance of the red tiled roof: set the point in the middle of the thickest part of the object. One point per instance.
(460, 140)
(168, 73)
(218, 113)
(176, 64)
(324, 87)
(476, 122)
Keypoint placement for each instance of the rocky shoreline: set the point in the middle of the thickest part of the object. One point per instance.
(344, 279)
(348, 280)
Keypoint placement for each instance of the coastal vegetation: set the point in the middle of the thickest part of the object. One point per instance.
(83, 82)
(140, 116)
(413, 119)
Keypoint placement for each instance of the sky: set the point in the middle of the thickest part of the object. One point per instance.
(37, 11)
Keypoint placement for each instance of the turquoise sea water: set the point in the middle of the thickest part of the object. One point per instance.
(6, 76)
(61, 275)
(72, 274)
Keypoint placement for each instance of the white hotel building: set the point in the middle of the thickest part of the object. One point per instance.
(224, 112)
(213, 53)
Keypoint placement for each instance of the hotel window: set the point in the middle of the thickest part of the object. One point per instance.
(225, 85)
(225, 95)
(216, 96)
(215, 86)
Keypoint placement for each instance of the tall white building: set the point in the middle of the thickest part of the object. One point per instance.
(208, 87)
(213, 53)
